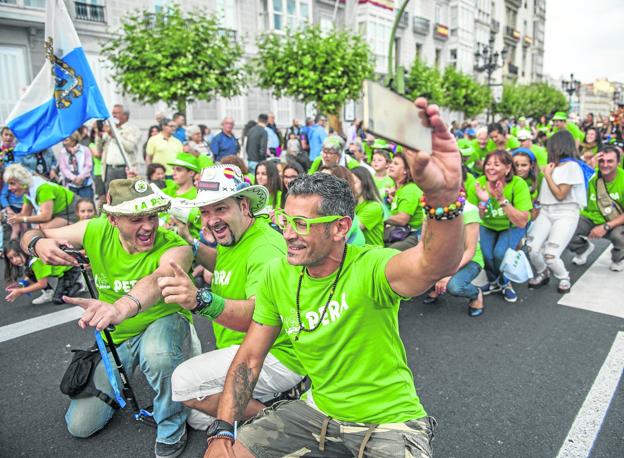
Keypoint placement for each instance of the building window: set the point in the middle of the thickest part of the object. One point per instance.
(326, 23)
(31, 3)
(438, 58)
(378, 35)
(283, 110)
(226, 11)
(291, 14)
(91, 11)
(512, 17)
(13, 77)
(234, 107)
(453, 57)
(419, 51)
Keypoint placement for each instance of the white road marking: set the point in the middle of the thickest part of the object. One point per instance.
(587, 424)
(599, 289)
(15, 330)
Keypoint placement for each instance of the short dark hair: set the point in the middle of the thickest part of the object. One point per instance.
(318, 117)
(505, 158)
(151, 168)
(496, 126)
(177, 115)
(611, 149)
(335, 193)
(263, 118)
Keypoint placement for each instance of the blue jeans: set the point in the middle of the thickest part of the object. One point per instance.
(460, 284)
(158, 350)
(493, 245)
(83, 191)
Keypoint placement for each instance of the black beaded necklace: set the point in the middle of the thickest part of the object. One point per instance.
(331, 294)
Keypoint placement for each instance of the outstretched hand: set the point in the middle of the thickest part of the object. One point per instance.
(178, 289)
(437, 173)
(97, 314)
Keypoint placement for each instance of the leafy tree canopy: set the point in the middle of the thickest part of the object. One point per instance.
(532, 100)
(462, 93)
(425, 81)
(325, 68)
(175, 57)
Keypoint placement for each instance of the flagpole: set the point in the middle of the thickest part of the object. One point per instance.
(119, 145)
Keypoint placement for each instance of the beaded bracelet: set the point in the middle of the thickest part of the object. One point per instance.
(451, 211)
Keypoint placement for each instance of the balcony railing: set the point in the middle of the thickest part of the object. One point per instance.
(89, 12)
(512, 33)
(404, 21)
(495, 26)
(422, 25)
(512, 69)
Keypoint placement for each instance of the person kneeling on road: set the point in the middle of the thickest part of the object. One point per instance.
(339, 304)
(244, 246)
(604, 215)
(128, 252)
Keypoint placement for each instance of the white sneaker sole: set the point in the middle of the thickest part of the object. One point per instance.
(581, 259)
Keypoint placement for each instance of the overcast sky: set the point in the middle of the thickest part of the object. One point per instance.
(585, 37)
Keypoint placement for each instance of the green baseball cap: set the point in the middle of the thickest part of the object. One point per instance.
(560, 116)
(186, 160)
(465, 147)
(380, 143)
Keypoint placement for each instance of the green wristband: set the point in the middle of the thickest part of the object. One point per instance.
(215, 308)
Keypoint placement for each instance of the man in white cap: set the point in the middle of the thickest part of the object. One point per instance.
(244, 245)
(526, 141)
(128, 252)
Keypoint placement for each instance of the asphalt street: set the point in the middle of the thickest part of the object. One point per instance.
(508, 384)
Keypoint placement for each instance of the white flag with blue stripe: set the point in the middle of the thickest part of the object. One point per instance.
(64, 95)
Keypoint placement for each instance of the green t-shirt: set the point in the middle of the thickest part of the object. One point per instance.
(469, 182)
(541, 155)
(42, 270)
(407, 200)
(316, 164)
(237, 274)
(512, 144)
(479, 152)
(355, 359)
(471, 215)
(371, 216)
(116, 272)
(383, 185)
(194, 219)
(97, 162)
(204, 161)
(615, 189)
(355, 236)
(516, 192)
(61, 196)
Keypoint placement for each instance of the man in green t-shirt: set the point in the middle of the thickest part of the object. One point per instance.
(245, 245)
(128, 253)
(501, 140)
(540, 153)
(560, 122)
(599, 221)
(339, 305)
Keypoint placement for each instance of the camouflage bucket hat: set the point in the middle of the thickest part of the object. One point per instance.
(133, 198)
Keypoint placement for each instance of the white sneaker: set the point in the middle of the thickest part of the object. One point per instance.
(581, 259)
(617, 266)
(46, 296)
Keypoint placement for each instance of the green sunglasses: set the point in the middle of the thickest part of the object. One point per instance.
(300, 224)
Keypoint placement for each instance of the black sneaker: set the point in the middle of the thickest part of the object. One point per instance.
(171, 450)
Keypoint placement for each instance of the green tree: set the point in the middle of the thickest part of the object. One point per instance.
(532, 100)
(324, 68)
(175, 57)
(425, 81)
(462, 93)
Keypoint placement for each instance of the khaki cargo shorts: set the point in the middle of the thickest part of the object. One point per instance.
(295, 429)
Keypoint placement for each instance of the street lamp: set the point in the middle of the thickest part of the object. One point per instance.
(571, 86)
(488, 60)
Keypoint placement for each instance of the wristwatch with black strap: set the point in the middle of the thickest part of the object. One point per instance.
(203, 298)
(606, 227)
(220, 429)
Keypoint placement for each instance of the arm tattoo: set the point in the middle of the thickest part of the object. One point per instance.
(427, 239)
(244, 383)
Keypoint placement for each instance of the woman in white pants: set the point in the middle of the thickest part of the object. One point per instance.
(562, 196)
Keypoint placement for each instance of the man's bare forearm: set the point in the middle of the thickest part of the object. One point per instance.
(443, 246)
(240, 382)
